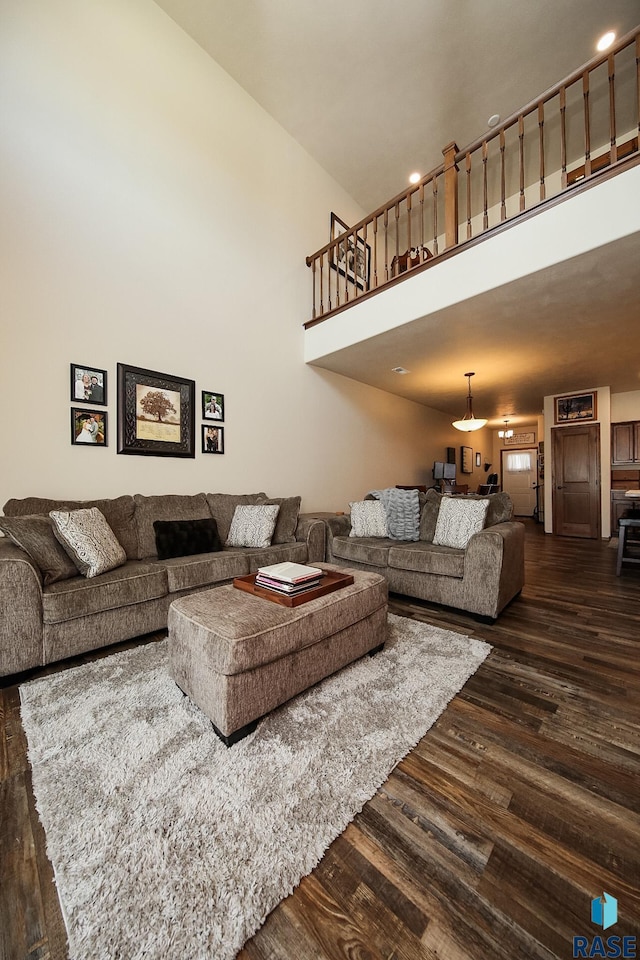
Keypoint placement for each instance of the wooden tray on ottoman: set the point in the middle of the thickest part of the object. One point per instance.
(330, 581)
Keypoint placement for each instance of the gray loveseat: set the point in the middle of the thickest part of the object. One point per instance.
(482, 578)
(48, 613)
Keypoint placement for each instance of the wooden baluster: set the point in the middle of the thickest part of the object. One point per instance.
(367, 265)
(434, 184)
(333, 274)
(450, 195)
(397, 238)
(408, 231)
(521, 159)
(485, 216)
(386, 244)
(613, 153)
(421, 202)
(375, 252)
(563, 136)
(321, 287)
(503, 205)
(587, 124)
(468, 166)
(313, 277)
(541, 148)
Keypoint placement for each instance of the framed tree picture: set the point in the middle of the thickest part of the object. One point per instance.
(575, 408)
(156, 414)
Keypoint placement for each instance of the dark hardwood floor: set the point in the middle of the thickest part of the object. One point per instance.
(491, 838)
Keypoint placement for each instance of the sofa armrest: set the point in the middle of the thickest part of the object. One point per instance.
(494, 567)
(338, 526)
(20, 610)
(312, 530)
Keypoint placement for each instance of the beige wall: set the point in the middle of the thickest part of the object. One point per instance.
(153, 214)
(625, 406)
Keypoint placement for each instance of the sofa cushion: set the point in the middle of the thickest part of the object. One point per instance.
(253, 525)
(364, 550)
(167, 507)
(427, 558)
(296, 552)
(499, 511)
(207, 569)
(89, 540)
(132, 583)
(185, 538)
(223, 506)
(459, 519)
(285, 531)
(368, 519)
(118, 512)
(35, 535)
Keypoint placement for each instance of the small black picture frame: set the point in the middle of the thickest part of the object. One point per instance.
(466, 459)
(88, 384)
(88, 427)
(156, 413)
(212, 439)
(212, 406)
(478, 459)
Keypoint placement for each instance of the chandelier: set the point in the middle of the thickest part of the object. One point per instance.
(469, 422)
(505, 434)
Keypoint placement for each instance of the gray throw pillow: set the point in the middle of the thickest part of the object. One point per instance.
(459, 518)
(429, 515)
(35, 536)
(253, 525)
(89, 540)
(368, 519)
(223, 506)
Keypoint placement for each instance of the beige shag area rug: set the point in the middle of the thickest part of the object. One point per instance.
(167, 844)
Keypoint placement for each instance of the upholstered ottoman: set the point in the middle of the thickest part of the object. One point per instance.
(238, 656)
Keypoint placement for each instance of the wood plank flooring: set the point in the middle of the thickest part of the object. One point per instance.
(490, 839)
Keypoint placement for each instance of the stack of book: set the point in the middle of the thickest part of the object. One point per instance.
(288, 578)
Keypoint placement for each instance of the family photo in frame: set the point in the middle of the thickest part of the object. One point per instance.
(212, 439)
(88, 427)
(88, 384)
(212, 405)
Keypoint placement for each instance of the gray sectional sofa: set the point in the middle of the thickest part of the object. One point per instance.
(49, 612)
(482, 578)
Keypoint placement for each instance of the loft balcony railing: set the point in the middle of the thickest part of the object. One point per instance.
(584, 127)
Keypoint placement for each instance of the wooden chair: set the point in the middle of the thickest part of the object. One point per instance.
(486, 488)
(454, 487)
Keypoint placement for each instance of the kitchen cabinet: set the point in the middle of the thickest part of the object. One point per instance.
(625, 442)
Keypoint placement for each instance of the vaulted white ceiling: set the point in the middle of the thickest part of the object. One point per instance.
(373, 89)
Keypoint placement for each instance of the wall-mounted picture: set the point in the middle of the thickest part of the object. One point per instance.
(478, 459)
(212, 439)
(88, 427)
(156, 413)
(88, 384)
(352, 257)
(212, 405)
(466, 459)
(574, 409)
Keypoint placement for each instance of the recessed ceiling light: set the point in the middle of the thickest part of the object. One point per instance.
(605, 40)
(414, 178)
(494, 120)
(399, 370)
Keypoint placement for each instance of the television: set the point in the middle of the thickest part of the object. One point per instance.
(444, 471)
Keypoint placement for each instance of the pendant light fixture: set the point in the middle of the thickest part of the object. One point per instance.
(505, 434)
(469, 422)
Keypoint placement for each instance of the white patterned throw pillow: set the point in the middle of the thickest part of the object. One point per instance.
(458, 520)
(368, 519)
(253, 526)
(88, 539)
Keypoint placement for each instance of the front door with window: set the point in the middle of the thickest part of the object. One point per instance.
(519, 478)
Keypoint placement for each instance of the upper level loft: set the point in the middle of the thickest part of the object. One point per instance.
(578, 133)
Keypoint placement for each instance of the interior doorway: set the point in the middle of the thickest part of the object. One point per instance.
(576, 481)
(519, 479)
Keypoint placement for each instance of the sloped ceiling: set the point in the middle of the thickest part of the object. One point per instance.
(373, 90)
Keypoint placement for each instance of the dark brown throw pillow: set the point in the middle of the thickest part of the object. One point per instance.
(35, 536)
(184, 538)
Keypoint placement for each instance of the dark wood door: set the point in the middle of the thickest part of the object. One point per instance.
(576, 481)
